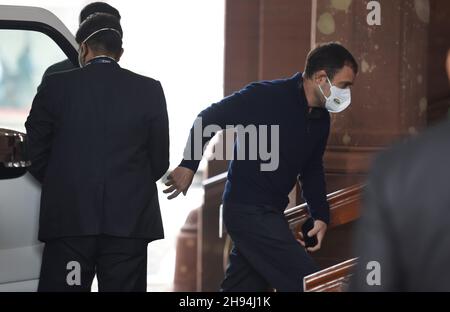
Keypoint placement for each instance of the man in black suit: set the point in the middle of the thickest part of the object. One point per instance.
(91, 8)
(98, 140)
(403, 240)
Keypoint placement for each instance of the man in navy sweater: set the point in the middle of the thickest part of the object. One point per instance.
(296, 110)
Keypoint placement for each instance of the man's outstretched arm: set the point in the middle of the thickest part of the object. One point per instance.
(232, 110)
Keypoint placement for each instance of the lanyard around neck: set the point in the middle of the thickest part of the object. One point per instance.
(101, 59)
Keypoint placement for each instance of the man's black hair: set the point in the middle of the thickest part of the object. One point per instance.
(330, 57)
(103, 41)
(98, 7)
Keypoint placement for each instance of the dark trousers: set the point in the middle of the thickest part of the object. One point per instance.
(265, 253)
(69, 264)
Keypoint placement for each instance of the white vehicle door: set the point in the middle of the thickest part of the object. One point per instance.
(31, 39)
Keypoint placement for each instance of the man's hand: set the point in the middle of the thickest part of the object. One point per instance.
(178, 181)
(319, 229)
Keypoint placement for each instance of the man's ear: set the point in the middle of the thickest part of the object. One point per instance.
(320, 76)
(84, 50)
(119, 55)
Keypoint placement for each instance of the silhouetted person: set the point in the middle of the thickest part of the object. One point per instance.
(91, 8)
(404, 231)
(98, 140)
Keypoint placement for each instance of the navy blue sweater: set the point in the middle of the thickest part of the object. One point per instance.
(302, 139)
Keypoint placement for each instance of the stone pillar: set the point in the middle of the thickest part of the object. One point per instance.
(285, 37)
(265, 39)
(390, 94)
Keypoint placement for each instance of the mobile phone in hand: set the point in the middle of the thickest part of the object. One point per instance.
(306, 227)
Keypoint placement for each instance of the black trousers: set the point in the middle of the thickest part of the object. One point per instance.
(265, 253)
(69, 264)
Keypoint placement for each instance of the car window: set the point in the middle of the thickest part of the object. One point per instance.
(24, 57)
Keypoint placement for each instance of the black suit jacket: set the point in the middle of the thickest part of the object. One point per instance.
(56, 68)
(59, 67)
(98, 140)
(405, 223)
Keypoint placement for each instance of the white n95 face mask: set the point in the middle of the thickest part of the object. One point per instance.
(338, 100)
